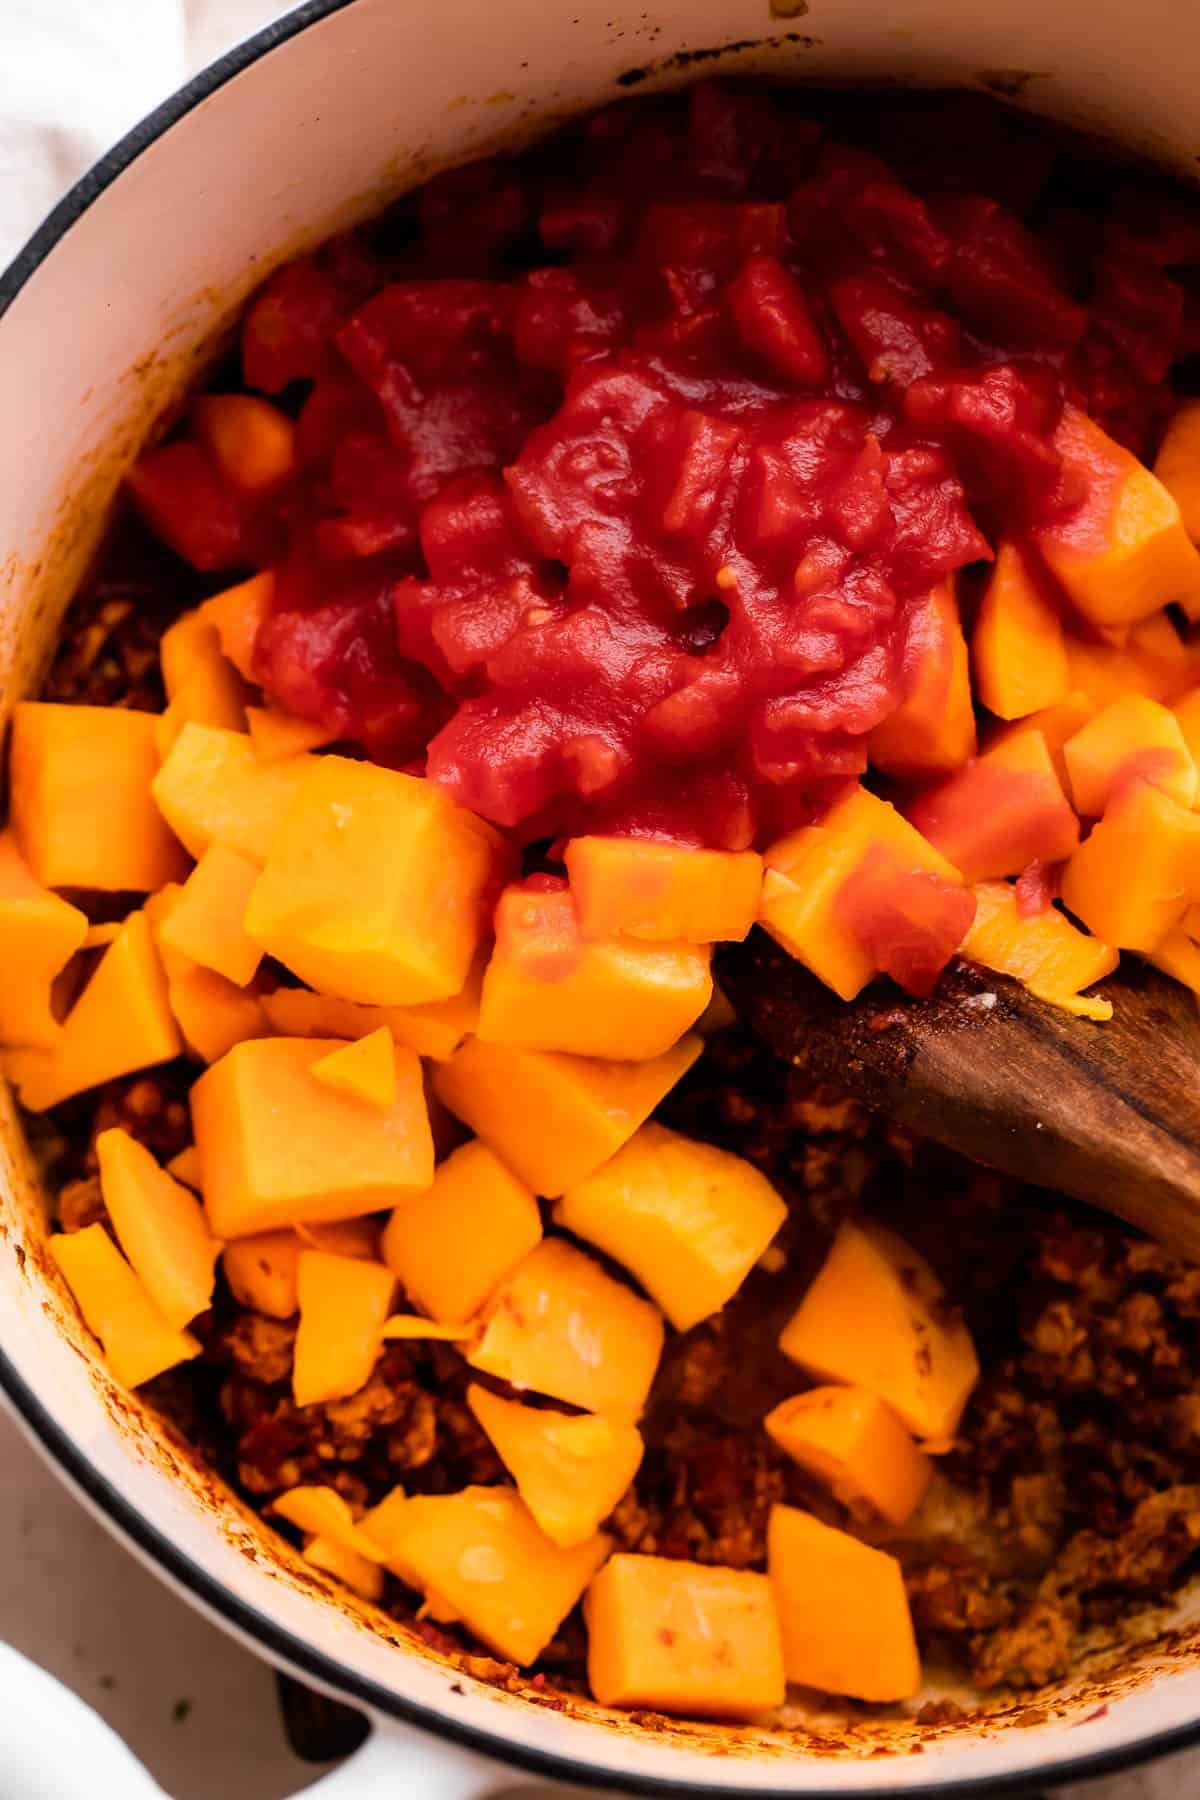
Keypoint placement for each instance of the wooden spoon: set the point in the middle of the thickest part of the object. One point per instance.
(1109, 1113)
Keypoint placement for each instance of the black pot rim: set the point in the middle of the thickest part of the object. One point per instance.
(120, 1514)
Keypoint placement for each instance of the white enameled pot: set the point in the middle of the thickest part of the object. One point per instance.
(102, 317)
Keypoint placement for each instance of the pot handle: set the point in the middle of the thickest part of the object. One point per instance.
(398, 1759)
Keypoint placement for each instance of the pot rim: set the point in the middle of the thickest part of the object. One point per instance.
(118, 1512)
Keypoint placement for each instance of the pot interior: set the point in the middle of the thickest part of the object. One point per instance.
(109, 313)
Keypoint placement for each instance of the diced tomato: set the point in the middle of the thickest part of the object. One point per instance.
(193, 508)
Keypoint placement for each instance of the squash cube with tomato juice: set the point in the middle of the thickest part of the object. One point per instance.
(377, 886)
(237, 613)
(1002, 812)
(808, 870)
(277, 1147)
(547, 987)
(843, 1612)
(1018, 649)
(1121, 551)
(909, 921)
(159, 1225)
(683, 1637)
(1133, 739)
(252, 443)
(1055, 724)
(689, 1220)
(932, 730)
(39, 933)
(1044, 951)
(562, 1326)
(80, 798)
(636, 887)
(344, 1303)
(570, 1469)
(585, 1108)
(1177, 465)
(1134, 877)
(854, 1443)
(453, 1245)
(478, 1556)
(876, 1317)
(138, 1342)
(212, 788)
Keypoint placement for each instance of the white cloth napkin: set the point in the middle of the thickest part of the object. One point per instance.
(75, 75)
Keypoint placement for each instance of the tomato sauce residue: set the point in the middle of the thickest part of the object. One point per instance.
(626, 463)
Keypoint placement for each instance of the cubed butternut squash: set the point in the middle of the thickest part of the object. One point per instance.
(1105, 672)
(570, 1470)
(843, 1611)
(262, 1269)
(207, 923)
(435, 1030)
(377, 887)
(808, 869)
(182, 645)
(212, 1013)
(122, 1021)
(365, 1069)
(211, 692)
(1187, 716)
(585, 1108)
(1044, 951)
(275, 734)
(410, 1328)
(343, 1303)
(138, 1343)
(683, 1637)
(689, 1220)
(933, 729)
(1002, 812)
(80, 798)
(213, 789)
(1122, 552)
(358, 1573)
(1055, 724)
(852, 1441)
(478, 1556)
(39, 933)
(665, 893)
(876, 1317)
(1177, 465)
(322, 1512)
(1018, 651)
(252, 442)
(237, 612)
(279, 1148)
(547, 987)
(1136, 874)
(1178, 955)
(185, 1167)
(1133, 739)
(452, 1246)
(160, 1226)
(561, 1326)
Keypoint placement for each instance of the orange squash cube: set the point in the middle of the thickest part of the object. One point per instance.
(1018, 651)
(186, 1168)
(843, 1611)
(1177, 466)
(207, 923)
(191, 639)
(1045, 952)
(478, 1556)
(1055, 724)
(366, 1069)
(585, 1108)
(213, 789)
(279, 1148)
(1139, 870)
(452, 1246)
(1178, 955)
(237, 613)
(343, 1304)
(1106, 672)
(138, 1342)
(689, 1220)
(209, 692)
(933, 729)
(275, 734)
(39, 933)
(252, 442)
(683, 1637)
(358, 1573)
(80, 798)
(1133, 739)
(160, 1227)
(435, 1030)
(377, 887)
(322, 1512)
(570, 1470)
(561, 1326)
(122, 1021)
(807, 870)
(1123, 552)
(1002, 812)
(852, 1441)
(212, 1013)
(547, 987)
(1187, 717)
(876, 1317)
(665, 893)
(262, 1269)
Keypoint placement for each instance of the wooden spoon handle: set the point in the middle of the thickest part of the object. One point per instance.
(1108, 1113)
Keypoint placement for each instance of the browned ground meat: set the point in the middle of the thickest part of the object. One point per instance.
(1072, 1493)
